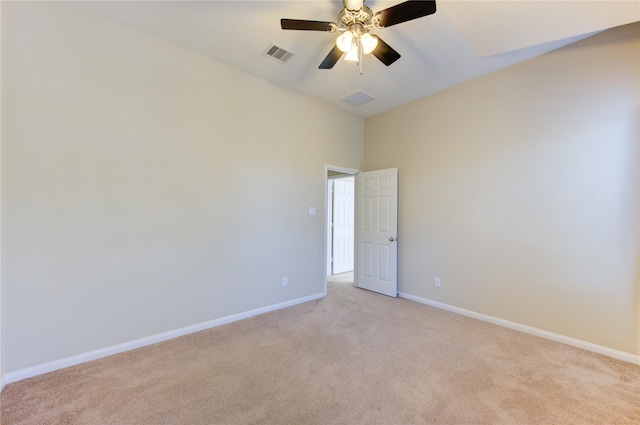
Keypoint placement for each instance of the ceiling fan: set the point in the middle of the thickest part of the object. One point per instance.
(354, 24)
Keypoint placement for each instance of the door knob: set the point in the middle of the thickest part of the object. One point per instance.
(391, 239)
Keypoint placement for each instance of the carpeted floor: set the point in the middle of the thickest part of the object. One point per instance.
(354, 357)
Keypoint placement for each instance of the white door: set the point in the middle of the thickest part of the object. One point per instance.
(377, 231)
(343, 227)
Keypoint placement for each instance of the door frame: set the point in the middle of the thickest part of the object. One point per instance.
(327, 205)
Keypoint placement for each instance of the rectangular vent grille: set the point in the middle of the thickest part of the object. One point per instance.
(277, 53)
(358, 98)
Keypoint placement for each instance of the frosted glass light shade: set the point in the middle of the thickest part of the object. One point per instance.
(352, 55)
(369, 43)
(345, 41)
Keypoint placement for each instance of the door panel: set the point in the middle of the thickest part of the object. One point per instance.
(377, 228)
(343, 225)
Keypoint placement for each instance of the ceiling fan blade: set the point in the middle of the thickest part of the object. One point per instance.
(334, 56)
(384, 52)
(406, 11)
(300, 24)
(353, 4)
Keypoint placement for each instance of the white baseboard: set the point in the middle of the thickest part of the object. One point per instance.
(616, 354)
(30, 372)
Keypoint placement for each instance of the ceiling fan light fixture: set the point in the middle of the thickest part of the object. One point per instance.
(355, 22)
(345, 41)
(369, 43)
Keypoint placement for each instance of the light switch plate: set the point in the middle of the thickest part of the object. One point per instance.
(312, 210)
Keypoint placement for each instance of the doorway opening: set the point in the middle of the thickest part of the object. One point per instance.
(340, 224)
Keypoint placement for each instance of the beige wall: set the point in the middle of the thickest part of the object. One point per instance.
(1, 286)
(520, 190)
(148, 188)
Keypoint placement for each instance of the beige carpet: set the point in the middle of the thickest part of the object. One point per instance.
(354, 357)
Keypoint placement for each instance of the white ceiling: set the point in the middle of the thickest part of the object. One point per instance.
(461, 41)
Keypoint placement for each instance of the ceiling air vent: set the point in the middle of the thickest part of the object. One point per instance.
(358, 98)
(277, 53)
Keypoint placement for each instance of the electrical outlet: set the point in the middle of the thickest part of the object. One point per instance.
(436, 282)
(285, 281)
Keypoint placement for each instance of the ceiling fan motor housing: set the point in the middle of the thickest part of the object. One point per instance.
(360, 21)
